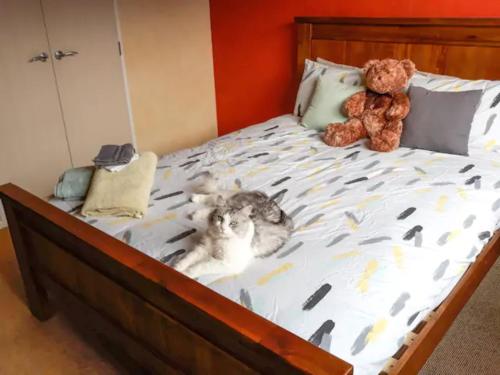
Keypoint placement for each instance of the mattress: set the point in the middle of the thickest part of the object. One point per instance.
(380, 239)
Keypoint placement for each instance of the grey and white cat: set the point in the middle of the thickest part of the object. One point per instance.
(271, 227)
(226, 246)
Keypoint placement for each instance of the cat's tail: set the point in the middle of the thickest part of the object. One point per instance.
(209, 185)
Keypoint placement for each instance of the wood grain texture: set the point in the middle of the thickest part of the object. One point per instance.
(468, 48)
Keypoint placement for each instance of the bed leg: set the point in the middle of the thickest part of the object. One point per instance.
(36, 295)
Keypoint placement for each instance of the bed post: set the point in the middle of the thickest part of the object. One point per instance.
(304, 36)
(36, 294)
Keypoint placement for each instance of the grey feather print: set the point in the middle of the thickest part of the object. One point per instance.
(337, 239)
(372, 164)
(496, 205)
(356, 180)
(353, 146)
(472, 180)
(361, 341)
(92, 221)
(375, 187)
(188, 164)
(332, 180)
(280, 181)
(175, 206)
(473, 252)
(272, 128)
(199, 174)
(469, 221)
(484, 235)
(166, 259)
(489, 123)
(443, 239)
(406, 213)
(411, 182)
(238, 183)
(316, 297)
(420, 170)
(326, 328)
(290, 250)
(154, 191)
(495, 101)
(314, 219)
(239, 154)
(277, 143)
(399, 304)
(412, 318)
(127, 236)
(418, 239)
(258, 155)
(197, 154)
(180, 236)
(245, 299)
(307, 75)
(497, 185)
(239, 162)
(373, 240)
(411, 233)
(297, 211)
(304, 157)
(409, 153)
(440, 271)
(272, 159)
(467, 168)
(444, 183)
(353, 156)
(169, 195)
(353, 217)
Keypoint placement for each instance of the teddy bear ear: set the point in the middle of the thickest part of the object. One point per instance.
(369, 64)
(409, 67)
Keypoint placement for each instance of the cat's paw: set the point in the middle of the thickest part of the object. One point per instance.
(197, 198)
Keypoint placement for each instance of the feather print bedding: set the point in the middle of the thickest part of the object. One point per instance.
(379, 240)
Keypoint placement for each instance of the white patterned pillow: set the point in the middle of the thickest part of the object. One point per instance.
(485, 128)
(312, 70)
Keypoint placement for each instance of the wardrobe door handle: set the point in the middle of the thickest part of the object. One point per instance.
(42, 57)
(60, 54)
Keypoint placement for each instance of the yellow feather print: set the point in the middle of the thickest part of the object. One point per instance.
(342, 77)
(489, 145)
(423, 190)
(167, 217)
(365, 202)
(223, 279)
(495, 163)
(441, 203)
(378, 328)
(370, 269)
(349, 254)
(256, 171)
(230, 170)
(397, 252)
(120, 220)
(167, 174)
(462, 193)
(432, 161)
(305, 165)
(316, 188)
(352, 224)
(305, 227)
(330, 203)
(268, 276)
(315, 172)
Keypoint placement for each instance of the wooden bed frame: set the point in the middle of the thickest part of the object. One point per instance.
(160, 321)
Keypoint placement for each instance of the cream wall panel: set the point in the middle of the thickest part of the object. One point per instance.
(168, 57)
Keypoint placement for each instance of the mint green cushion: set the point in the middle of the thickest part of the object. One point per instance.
(326, 103)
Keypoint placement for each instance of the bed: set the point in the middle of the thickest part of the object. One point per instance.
(386, 251)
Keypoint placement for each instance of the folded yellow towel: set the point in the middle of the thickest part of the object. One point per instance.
(123, 193)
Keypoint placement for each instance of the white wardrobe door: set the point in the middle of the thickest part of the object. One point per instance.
(33, 147)
(90, 83)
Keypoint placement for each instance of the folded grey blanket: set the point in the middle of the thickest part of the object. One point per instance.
(114, 155)
(74, 183)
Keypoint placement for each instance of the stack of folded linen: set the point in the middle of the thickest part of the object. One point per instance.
(124, 192)
(114, 158)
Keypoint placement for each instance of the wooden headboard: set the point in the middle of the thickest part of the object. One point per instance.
(466, 48)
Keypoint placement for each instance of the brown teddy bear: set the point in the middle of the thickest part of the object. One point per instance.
(376, 112)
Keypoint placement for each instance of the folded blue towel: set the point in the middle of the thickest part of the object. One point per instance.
(74, 183)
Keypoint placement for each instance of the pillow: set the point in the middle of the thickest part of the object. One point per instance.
(485, 127)
(326, 103)
(313, 70)
(440, 121)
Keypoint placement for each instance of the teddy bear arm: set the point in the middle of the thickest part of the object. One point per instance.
(399, 108)
(355, 104)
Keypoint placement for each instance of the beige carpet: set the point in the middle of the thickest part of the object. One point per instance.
(472, 345)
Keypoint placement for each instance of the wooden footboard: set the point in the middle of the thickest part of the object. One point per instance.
(156, 318)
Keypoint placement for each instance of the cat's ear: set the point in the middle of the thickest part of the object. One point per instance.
(219, 200)
(247, 210)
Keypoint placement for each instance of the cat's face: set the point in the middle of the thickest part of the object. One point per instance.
(229, 222)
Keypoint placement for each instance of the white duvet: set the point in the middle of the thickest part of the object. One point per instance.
(380, 239)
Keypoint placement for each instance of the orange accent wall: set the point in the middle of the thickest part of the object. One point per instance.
(254, 47)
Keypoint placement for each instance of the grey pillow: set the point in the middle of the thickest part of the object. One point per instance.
(440, 121)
